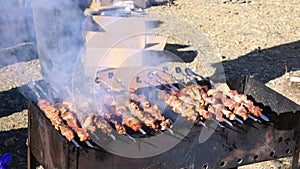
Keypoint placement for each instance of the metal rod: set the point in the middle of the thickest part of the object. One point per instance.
(138, 80)
(202, 123)
(41, 90)
(111, 75)
(112, 136)
(161, 132)
(142, 131)
(227, 122)
(171, 131)
(265, 118)
(253, 118)
(225, 112)
(167, 86)
(89, 144)
(239, 120)
(30, 85)
(76, 144)
(214, 120)
(161, 80)
(107, 88)
(130, 137)
(166, 70)
(178, 70)
(190, 73)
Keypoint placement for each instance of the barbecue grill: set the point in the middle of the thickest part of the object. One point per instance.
(227, 147)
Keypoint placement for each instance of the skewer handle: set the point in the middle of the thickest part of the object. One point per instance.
(190, 73)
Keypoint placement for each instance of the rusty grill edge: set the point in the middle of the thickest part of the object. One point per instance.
(226, 148)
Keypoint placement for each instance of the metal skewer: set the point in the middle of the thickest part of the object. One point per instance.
(30, 85)
(264, 117)
(202, 123)
(225, 112)
(111, 75)
(178, 70)
(253, 118)
(76, 144)
(107, 88)
(239, 120)
(161, 81)
(227, 122)
(190, 72)
(166, 70)
(171, 131)
(89, 144)
(130, 137)
(142, 131)
(138, 80)
(214, 120)
(41, 90)
(112, 136)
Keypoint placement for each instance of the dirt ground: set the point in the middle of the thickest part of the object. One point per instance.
(254, 38)
(257, 38)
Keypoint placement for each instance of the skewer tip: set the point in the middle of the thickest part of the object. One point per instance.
(203, 124)
(252, 117)
(239, 120)
(131, 137)
(264, 117)
(171, 131)
(89, 144)
(227, 122)
(112, 136)
(142, 131)
(76, 144)
(219, 124)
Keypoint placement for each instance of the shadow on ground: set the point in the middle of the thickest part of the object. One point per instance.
(17, 54)
(12, 101)
(14, 142)
(266, 64)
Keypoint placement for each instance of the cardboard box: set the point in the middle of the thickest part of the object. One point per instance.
(121, 45)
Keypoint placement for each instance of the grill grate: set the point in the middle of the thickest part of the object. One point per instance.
(226, 148)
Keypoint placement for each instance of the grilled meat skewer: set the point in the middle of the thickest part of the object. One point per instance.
(118, 106)
(151, 112)
(93, 122)
(127, 118)
(224, 88)
(53, 115)
(72, 121)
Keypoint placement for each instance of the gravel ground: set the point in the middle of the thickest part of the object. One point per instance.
(256, 38)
